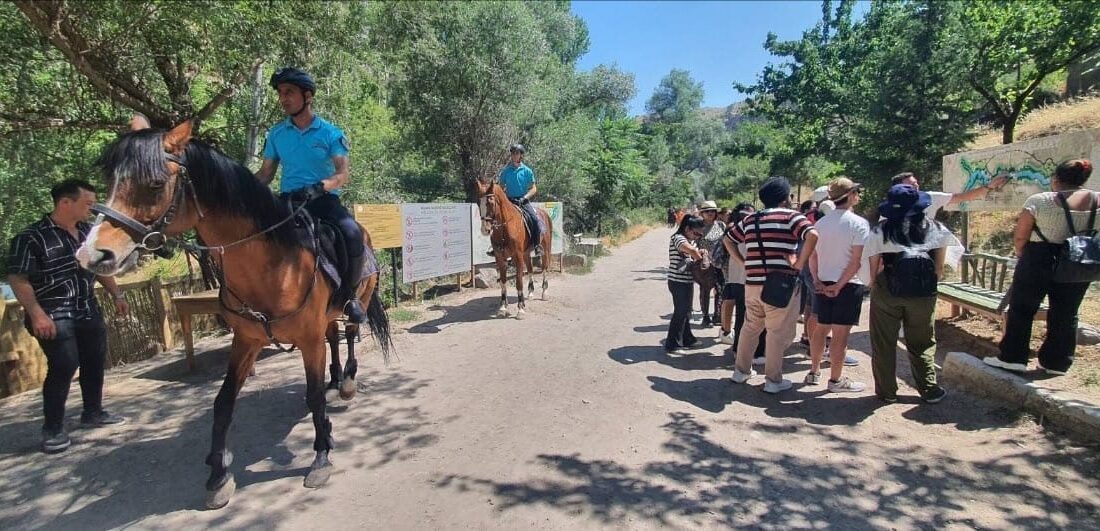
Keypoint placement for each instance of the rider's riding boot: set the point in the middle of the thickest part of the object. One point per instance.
(353, 308)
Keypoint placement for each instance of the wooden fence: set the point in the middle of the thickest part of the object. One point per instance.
(151, 328)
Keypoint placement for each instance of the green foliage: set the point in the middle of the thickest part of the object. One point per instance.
(1010, 48)
(618, 177)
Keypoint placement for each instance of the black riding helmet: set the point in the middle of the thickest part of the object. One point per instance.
(289, 74)
(517, 148)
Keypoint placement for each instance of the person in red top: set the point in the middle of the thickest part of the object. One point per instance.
(771, 237)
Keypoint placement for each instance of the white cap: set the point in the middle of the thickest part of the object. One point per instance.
(820, 193)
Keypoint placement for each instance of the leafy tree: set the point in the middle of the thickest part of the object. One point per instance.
(618, 175)
(1012, 47)
(468, 79)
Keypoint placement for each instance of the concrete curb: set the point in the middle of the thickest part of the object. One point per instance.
(971, 374)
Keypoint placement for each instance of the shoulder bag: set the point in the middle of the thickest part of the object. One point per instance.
(1078, 259)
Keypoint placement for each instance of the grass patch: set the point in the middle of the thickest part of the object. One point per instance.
(401, 315)
(631, 233)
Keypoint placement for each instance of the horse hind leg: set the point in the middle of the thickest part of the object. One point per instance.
(347, 386)
(332, 336)
(321, 468)
(546, 242)
(521, 312)
(220, 485)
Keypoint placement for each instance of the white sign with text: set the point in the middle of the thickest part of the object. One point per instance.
(437, 240)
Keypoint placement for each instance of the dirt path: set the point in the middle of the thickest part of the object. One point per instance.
(572, 418)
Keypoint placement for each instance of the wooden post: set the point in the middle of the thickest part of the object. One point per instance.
(458, 281)
(159, 294)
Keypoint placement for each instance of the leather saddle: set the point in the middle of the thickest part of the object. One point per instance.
(532, 223)
(324, 240)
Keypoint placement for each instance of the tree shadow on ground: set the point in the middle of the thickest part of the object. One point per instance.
(693, 361)
(708, 484)
(471, 311)
(154, 465)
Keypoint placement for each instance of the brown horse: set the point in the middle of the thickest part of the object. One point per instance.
(505, 225)
(707, 281)
(165, 183)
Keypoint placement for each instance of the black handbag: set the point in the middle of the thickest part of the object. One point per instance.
(1078, 258)
(779, 285)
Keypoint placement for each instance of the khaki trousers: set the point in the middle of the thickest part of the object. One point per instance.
(780, 324)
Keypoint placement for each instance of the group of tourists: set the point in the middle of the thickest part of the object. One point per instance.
(822, 261)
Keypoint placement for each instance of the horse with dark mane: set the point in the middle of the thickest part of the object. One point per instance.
(505, 225)
(165, 183)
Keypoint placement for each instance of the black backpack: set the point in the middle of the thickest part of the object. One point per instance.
(912, 273)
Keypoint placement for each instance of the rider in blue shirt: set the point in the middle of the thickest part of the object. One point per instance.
(314, 156)
(519, 185)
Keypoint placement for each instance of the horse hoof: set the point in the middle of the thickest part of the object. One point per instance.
(502, 313)
(318, 476)
(348, 389)
(331, 394)
(521, 314)
(216, 499)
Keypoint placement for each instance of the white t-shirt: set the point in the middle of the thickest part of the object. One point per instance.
(735, 270)
(938, 237)
(837, 233)
(939, 200)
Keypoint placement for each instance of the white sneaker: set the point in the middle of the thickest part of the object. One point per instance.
(777, 387)
(725, 339)
(759, 362)
(994, 361)
(740, 377)
(846, 385)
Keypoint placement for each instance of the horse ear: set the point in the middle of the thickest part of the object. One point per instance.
(139, 122)
(177, 139)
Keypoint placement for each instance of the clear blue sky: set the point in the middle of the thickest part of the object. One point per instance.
(718, 42)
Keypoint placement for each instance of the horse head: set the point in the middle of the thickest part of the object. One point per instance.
(148, 182)
(489, 203)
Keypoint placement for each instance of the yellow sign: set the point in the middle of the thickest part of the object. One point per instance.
(383, 222)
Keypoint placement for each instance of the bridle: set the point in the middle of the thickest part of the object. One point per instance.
(152, 236)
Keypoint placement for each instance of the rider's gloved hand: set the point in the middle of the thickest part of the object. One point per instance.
(315, 191)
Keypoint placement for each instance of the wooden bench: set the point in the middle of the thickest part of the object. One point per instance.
(204, 302)
(982, 288)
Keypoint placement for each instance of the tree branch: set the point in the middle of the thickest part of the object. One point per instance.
(48, 19)
(226, 93)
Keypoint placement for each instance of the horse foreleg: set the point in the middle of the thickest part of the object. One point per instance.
(220, 485)
(347, 386)
(313, 356)
(332, 335)
(704, 304)
(502, 273)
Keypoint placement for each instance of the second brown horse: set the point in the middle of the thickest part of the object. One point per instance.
(506, 227)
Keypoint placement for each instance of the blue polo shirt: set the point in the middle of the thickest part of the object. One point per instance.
(305, 155)
(516, 181)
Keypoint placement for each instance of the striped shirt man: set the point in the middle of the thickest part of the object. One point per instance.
(46, 253)
(780, 231)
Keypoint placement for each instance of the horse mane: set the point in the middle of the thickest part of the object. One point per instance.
(222, 184)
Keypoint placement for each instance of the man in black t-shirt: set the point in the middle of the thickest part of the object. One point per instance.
(58, 298)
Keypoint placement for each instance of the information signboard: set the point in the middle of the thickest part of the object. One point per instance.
(1029, 165)
(436, 240)
(383, 222)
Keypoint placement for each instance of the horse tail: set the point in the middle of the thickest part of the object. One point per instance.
(379, 324)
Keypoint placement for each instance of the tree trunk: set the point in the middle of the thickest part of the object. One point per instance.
(254, 115)
(1008, 133)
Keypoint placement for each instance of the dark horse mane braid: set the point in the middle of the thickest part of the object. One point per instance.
(222, 184)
